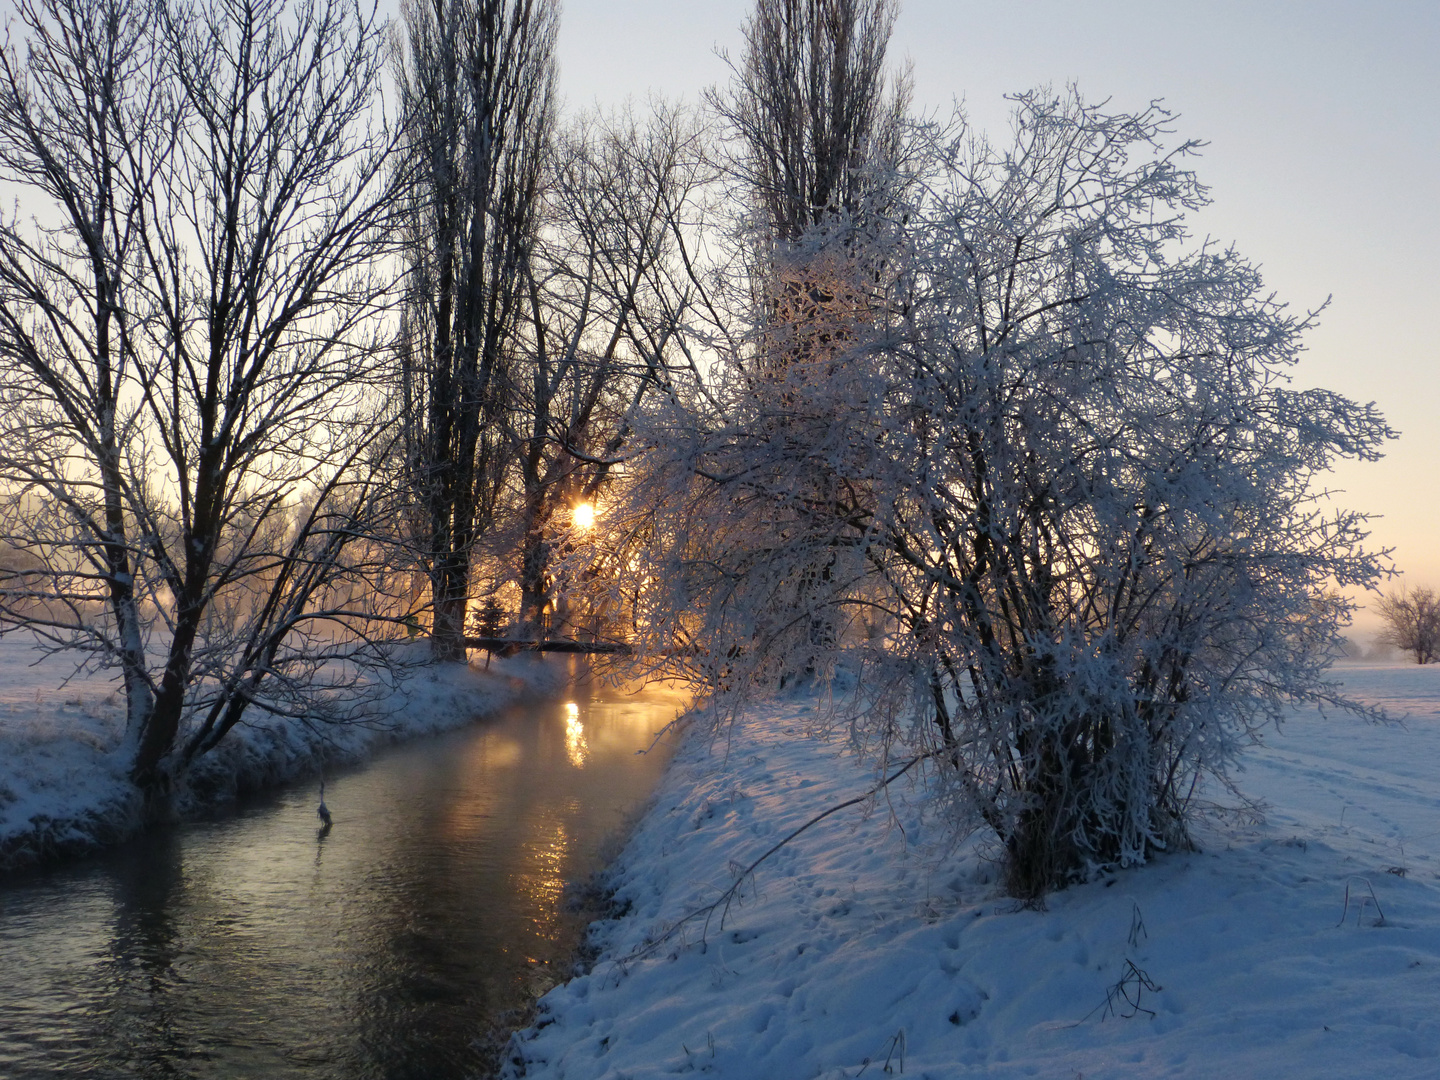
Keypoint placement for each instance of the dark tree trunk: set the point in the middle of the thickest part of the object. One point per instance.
(476, 82)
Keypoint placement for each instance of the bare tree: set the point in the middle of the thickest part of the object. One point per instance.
(185, 330)
(815, 145)
(1412, 622)
(809, 110)
(609, 297)
(67, 105)
(477, 86)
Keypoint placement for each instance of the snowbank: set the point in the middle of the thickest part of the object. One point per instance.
(62, 776)
(1306, 946)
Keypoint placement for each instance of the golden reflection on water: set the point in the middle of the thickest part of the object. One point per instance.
(575, 745)
(544, 878)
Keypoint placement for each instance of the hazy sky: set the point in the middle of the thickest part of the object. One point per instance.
(1323, 120)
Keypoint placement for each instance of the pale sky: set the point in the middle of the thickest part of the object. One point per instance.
(1323, 120)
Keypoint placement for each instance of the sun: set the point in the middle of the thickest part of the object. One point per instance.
(584, 516)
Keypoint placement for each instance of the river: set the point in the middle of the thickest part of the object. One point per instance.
(259, 945)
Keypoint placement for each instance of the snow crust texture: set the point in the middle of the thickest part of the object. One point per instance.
(63, 785)
(1305, 945)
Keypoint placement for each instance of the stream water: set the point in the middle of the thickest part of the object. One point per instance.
(259, 945)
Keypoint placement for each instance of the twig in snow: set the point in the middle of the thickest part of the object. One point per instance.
(897, 1043)
(1360, 912)
(1132, 985)
(1137, 925)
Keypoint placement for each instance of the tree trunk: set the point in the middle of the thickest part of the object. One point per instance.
(535, 562)
(452, 602)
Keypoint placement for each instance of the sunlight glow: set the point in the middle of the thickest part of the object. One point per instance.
(576, 746)
(584, 516)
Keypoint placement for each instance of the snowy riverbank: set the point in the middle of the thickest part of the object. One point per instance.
(862, 944)
(62, 779)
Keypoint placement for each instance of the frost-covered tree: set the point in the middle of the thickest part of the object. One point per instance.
(1412, 622)
(1047, 479)
(187, 327)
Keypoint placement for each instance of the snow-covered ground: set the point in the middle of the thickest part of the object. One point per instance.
(62, 782)
(1306, 945)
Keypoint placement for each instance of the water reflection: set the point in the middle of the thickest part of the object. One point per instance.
(575, 746)
(259, 946)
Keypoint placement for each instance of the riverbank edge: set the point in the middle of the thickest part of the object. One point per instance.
(634, 898)
(90, 804)
(594, 900)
